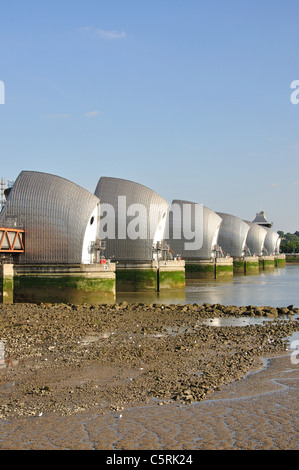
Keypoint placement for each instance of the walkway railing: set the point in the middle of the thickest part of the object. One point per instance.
(12, 240)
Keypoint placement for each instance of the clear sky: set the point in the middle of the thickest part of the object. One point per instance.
(188, 97)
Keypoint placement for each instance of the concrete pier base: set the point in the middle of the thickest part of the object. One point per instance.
(280, 261)
(209, 268)
(135, 277)
(239, 265)
(151, 276)
(64, 283)
(6, 283)
(266, 262)
(224, 267)
(171, 275)
(251, 264)
(246, 265)
(200, 269)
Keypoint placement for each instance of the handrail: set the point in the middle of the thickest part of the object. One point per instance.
(9, 246)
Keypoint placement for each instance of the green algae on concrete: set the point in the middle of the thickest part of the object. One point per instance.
(131, 280)
(171, 279)
(7, 290)
(209, 269)
(64, 283)
(202, 269)
(280, 261)
(171, 274)
(6, 283)
(224, 270)
(246, 265)
(145, 276)
(252, 268)
(267, 262)
(62, 289)
(238, 265)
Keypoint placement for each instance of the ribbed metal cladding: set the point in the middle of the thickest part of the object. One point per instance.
(207, 227)
(271, 241)
(255, 238)
(232, 235)
(277, 249)
(54, 213)
(119, 194)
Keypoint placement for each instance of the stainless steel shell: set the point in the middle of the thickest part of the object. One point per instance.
(180, 226)
(255, 239)
(132, 219)
(232, 235)
(54, 213)
(272, 242)
(277, 249)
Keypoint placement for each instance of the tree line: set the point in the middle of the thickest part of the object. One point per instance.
(289, 242)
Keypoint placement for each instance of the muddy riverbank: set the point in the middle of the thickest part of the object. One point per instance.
(69, 359)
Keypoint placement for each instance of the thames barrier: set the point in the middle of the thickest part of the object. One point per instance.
(61, 243)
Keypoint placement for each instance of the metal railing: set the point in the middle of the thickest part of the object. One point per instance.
(12, 240)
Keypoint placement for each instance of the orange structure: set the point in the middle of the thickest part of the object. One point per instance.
(12, 240)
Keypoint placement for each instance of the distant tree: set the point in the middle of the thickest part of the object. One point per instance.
(289, 242)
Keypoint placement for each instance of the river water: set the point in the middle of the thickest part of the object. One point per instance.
(276, 288)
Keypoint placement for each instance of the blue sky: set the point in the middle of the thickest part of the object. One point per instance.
(190, 98)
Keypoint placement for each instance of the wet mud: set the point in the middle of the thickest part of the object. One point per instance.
(132, 376)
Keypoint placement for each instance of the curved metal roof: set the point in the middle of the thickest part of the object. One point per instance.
(271, 241)
(277, 248)
(232, 235)
(182, 224)
(55, 214)
(255, 238)
(260, 219)
(133, 218)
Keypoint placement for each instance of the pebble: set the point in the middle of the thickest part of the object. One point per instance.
(187, 363)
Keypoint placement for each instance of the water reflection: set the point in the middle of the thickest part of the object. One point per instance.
(241, 321)
(276, 288)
